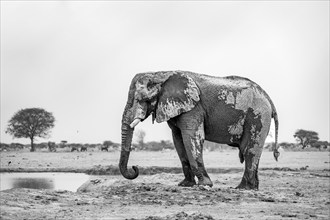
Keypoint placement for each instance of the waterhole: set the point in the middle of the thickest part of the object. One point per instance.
(55, 181)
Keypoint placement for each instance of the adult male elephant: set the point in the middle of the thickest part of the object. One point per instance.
(228, 110)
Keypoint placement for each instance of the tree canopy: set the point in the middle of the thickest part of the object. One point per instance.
(31, 123)
(306, 138)
(107, 143)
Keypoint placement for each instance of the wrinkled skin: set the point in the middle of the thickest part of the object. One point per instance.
(228, 110)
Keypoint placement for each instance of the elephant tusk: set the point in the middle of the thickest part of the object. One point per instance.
(135, 122)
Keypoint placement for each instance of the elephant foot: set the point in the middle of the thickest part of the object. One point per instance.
(187, 183)
(248, 184)
(206, 181)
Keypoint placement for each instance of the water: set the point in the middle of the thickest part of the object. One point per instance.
(55, 181)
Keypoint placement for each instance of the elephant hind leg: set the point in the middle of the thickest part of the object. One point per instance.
(250, 152)
(250, 178)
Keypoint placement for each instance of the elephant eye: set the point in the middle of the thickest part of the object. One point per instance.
(150, 84)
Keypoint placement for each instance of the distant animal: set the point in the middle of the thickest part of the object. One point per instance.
(83, 148)
(304, 168)
(104, 148)
(51, 146)
(228, 110)
(74, 149)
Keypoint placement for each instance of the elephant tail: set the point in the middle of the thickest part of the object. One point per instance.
(276, 153)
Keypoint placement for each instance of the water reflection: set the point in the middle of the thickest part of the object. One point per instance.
(33, 183)
(56, 181)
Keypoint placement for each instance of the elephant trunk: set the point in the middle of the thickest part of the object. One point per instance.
(127, 128)
(127, 135)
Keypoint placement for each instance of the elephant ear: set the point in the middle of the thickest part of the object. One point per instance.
(178, 94)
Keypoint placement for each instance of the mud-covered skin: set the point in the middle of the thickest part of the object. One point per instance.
(229, 110)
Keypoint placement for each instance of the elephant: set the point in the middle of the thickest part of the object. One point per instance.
(83, 148)
(228, 110)
(51, 146)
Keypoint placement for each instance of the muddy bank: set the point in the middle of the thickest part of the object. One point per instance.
(297, 187)
(114, 170)
(282, 195)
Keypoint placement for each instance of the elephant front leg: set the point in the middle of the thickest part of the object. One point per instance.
(193, 140)
(189, 179)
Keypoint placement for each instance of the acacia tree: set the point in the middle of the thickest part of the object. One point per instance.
(31, 123)
(107, 143)
(306, 138)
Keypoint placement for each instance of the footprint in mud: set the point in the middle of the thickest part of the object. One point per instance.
(179, 216)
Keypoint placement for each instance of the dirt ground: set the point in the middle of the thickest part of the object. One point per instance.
(296, 187)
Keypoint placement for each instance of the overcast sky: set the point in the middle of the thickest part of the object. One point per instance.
(76, 58)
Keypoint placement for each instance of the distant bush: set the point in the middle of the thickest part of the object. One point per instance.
(321, 145)
(156, 146)
(160, 146)
(16, 146)
(4, 147)
(11, 147)
(286, 146)
(211, 146)
(41, 146)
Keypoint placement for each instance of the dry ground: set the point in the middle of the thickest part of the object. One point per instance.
(288, 189)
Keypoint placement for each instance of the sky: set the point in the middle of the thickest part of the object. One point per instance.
(76, 59)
